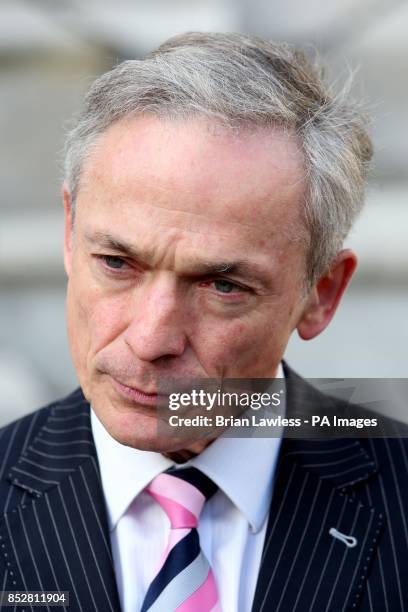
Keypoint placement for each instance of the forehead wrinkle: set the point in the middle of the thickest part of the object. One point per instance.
(292, 232)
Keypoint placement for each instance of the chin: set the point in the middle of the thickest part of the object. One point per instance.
(136, 429)
(145, 436)
(134, 425)
(154, 443)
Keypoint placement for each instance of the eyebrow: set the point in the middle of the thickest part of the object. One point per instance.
(110, 242)
(239, 268)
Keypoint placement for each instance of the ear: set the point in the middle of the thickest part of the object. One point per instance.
(68, 228)
(326, 294)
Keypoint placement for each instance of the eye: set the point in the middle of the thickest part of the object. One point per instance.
(113, 262)
(225, 286)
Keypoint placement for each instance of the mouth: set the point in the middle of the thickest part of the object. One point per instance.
(135, 395)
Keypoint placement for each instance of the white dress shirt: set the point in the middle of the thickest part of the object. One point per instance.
(232, 524)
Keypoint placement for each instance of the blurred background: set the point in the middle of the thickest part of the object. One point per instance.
(51, 51)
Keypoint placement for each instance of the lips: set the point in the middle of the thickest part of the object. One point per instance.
(135, 395)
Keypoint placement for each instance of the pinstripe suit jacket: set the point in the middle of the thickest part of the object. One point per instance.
(54, 535)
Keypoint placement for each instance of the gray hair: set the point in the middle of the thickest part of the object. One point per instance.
(243, 81)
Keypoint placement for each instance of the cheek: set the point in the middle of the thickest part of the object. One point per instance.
(228, 350)
(94, 320)
(245, 348)
(77, 334)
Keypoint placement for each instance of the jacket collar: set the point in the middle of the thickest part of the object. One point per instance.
(343, 462)
(63, 442)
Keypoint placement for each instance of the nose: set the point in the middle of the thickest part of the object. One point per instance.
(156, 328)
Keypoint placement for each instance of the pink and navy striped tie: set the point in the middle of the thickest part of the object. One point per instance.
(184, 582)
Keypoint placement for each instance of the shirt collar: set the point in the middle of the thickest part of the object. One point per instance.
(125, 471)
(243, 468)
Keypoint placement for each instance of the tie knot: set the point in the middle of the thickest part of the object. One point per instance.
(182, 494)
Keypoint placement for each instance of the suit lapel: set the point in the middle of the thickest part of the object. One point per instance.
(303, 566)
(56, 537)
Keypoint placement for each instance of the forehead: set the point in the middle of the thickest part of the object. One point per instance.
(232, 187)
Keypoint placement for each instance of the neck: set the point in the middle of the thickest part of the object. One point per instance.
(180, 456)
(184, 454)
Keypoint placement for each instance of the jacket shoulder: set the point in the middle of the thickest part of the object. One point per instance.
(15, 436)
(305, 397)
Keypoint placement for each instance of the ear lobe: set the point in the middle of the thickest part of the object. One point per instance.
(68, 229)
(326, 294)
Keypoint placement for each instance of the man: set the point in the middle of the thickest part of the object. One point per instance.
(209, 188)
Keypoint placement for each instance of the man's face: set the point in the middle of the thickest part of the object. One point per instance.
(185, 262)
